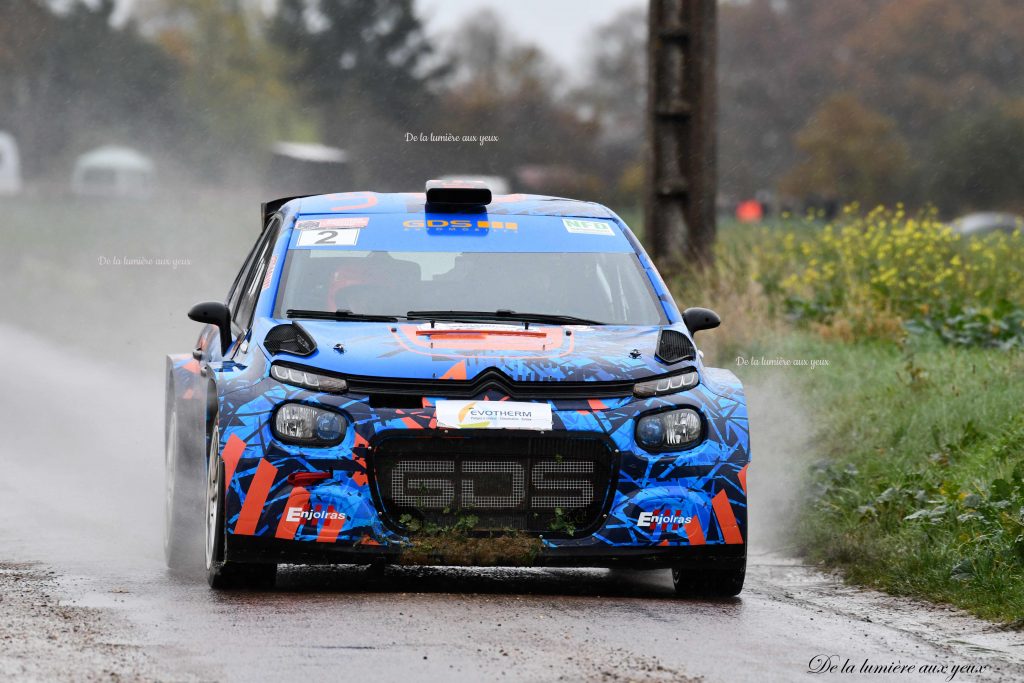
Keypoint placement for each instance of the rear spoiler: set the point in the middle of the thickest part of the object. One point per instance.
(269, 208)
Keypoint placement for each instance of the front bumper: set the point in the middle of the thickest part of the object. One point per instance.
(660, 507)
(259, 550)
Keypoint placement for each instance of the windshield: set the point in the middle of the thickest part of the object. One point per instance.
(610, 288)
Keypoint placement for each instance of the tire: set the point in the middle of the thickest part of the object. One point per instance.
(721, 578)
(183, 486)
(222, 573)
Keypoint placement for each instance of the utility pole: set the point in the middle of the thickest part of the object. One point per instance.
(679, 211)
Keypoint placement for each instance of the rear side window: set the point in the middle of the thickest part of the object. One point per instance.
(248, 290)
(238, 286)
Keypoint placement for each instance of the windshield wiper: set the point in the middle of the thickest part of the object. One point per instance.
(502, 314)
(342, 314)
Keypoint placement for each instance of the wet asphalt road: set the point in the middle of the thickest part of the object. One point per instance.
(82, 496)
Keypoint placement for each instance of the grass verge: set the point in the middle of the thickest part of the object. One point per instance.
(917, 488)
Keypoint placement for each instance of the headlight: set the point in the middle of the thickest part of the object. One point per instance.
(308, 426)
(307, 380)
(667, 385)
(669, 431)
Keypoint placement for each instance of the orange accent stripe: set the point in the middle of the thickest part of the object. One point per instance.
(479, 334)
(596, 404)
(370, 200)
(298, 498)
(359, 478)
(231, 454)
(252, 506)
(743, 478)
(726, 519)
(192, 366)
(434, 353)
(411, 423)
(331, 528)
(694, 532)
(457, 371)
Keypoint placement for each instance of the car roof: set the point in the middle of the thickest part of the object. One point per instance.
(415, 202)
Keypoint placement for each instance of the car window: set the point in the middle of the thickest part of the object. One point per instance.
(249, 290)
(606, 287)
(237, 287)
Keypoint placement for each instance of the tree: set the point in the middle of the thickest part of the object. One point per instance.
(917, 60)
(232, 81)
(614, 97)
(777, 63)
(927, 65)
(374, 50)
(852, 153)
(616, 87)
(366, 69)
(486, 61)
(500, 86)
(25, 26)
(976, 162)
(74, 80)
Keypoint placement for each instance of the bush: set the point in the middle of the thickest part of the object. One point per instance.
(876, 275)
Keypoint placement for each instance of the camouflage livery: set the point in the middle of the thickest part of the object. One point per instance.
(663, 501)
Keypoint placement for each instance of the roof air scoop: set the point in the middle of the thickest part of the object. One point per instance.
(457, 194)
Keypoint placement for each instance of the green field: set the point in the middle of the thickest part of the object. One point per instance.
(916, 463)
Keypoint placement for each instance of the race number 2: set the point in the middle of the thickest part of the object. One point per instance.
(344, 237)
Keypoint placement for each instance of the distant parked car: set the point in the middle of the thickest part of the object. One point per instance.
(10, 165)
(113, 172)
(304, 168)
(985, 222)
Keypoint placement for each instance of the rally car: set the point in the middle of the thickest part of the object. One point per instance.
(452, 377)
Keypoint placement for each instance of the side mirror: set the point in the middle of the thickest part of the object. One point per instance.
(214, 313)
(698, 319)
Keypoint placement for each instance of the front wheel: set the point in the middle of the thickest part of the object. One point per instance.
(713, 578)
(221, 572)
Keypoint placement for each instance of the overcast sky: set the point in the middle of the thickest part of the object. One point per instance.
(561, 27)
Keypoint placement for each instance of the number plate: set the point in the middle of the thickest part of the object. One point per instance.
(493, 415)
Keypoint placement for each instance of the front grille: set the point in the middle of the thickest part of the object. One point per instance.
(537, 484)
(490, 379)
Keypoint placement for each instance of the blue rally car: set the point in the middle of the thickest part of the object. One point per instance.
(453, 378)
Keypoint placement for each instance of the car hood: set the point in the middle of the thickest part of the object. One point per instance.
(461, 351)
